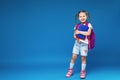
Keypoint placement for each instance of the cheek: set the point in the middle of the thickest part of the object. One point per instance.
(80, 18)
(85, 18)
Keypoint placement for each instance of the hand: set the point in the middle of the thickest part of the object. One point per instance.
(77, 32)
(76, 38)
(79, 40)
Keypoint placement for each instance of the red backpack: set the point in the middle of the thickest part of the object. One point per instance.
(91, 37)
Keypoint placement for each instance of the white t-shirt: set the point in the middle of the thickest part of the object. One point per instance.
(86, 40)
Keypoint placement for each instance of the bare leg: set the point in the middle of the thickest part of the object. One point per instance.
(74, 56)
(83, 59)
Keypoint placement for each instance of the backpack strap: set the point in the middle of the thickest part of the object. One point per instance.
(86, 23)
(77, 26)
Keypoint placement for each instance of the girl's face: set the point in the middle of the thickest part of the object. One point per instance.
(82, 17)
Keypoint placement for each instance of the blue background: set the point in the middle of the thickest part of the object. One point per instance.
(36, 39)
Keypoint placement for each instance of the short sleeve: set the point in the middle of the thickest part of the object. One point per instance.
(75, 27)
(90, 25)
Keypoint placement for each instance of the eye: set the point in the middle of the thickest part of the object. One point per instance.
(80, 16)
(83, 16)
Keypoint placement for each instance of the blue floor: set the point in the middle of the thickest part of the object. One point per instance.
(55, 72)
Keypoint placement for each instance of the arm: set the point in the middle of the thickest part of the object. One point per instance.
(86, 33)
(78, 39)
(75, 35)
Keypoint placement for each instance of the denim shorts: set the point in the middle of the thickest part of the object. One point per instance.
(80, 48)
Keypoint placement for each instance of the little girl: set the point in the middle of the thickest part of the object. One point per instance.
(80, 45)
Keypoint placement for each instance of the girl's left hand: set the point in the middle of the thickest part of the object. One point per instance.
(77, 32)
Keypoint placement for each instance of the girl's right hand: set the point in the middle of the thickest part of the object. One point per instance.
(76, 38)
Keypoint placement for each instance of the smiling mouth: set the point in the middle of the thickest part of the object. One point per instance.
(82, 20)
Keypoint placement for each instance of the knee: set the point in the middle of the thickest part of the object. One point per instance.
(73, 57)
(83, 58)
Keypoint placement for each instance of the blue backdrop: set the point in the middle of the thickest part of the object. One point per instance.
(39, 34)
